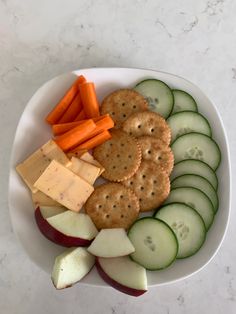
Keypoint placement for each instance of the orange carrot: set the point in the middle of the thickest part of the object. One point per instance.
(72, 111)
(80, 116)
(57, 112)
(61, 128)
(77, 135)
(93, 142)
(89, 100)
(102, 125)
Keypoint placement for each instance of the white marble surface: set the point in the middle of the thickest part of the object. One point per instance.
(41, 39)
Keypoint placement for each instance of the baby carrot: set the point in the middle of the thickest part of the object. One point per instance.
(72, 111)
(57, 112)
(75, 136)
(89, 100)
(61, 128)
(80, 116)
(93, 142)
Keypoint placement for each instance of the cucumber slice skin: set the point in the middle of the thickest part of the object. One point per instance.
(185, 122)
(197, 167)
(162, 213)
(142, 87)
(200, 183)
(191, 103)
(208, 220)
(194, 139)
(170, 231)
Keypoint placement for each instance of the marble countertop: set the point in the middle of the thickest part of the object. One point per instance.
(41, 39)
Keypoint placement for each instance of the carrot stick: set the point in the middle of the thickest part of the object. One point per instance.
(72, 111)
(75, 136)
(93, 142)
(102, 125)
(80, 116)
(57, 112)
(89, 100)
(59, 129)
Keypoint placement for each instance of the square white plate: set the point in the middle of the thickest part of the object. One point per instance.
(32, 132)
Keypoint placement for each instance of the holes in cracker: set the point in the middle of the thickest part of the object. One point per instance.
(140, 200)
(149, 152)
(153, 193)
(114, 206)
(107, 216)
(134, 107)
(113, 113)
(107, 196)
(125, 167)
(111, 144)
(141, 188)
(99, 206)
(129, 206)
(122, 144)
(131, 183)
(123, 104)
(155, 181)
(144, 176)
(114, 167)
(130, 133)
(152, 130)
(121, 196)
(159, 158)
(121, 216)
(124, 115)
(130, 156)
(139, 126)
(118, 155)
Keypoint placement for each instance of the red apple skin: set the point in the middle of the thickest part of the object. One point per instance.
(56, 236)
(116, 285)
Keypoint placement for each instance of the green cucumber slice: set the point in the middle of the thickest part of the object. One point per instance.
(155, 243)
(187, 225)
(186, 122)
(183, 101)
(158, 94)
(192, 166)
(197, 146)
(200, 183)
(195, 199)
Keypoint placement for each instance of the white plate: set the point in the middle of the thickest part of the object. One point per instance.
(32, 132)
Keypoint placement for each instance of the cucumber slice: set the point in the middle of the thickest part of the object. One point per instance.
(197, 146)
(186, 122)
(187, 225)
(155, 243)
(195, 199)
(192, 166)
(183, 101)
(159, 96)
(199, 183)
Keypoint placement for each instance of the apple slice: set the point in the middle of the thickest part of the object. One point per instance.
(123, 274)
(111, 243)
(67, 228)
(71, 266)
(49, 211)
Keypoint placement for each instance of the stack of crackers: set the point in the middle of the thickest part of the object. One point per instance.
(137, 161)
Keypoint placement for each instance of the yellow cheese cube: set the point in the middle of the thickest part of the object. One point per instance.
(31, 169)
(85, 170)
(63, 186)
(41, 199)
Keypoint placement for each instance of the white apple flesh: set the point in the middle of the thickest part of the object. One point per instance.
(67, 228)
(123, 274)
(111, 243)
(49, 211)
(71, 266)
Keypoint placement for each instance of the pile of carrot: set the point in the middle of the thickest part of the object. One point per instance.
(76, 121)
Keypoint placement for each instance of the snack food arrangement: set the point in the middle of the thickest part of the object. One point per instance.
(128, 186)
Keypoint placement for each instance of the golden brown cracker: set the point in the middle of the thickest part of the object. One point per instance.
(148, 123)
(112, 205)
(151, 185)
(120, 156)
(155, 150)
(122, 103)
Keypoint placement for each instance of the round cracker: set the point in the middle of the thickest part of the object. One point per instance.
(151, 185)
(112, 205)
(122, 103)
(120, 156)
(155, 150)
(148, 123)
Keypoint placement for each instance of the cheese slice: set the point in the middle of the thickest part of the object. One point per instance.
(89, 158)
(31, 168)
(41, 199)
(85, 170)
(64, 186)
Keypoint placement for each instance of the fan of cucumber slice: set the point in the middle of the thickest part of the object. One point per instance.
(179, 228)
